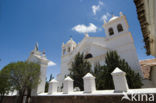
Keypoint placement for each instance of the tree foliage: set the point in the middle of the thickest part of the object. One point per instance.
(23, 77)
(47, 83)
(100, 73)
(5, 86)
(103, 73)
(51, 77)
(79, 68)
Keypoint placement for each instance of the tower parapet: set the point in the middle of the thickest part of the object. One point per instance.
(68, 47)
(116, 25)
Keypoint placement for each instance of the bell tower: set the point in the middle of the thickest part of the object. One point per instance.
(116, 25)
(68, 47)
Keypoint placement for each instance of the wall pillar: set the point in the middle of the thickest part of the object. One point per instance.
(53, 84)
(119, 80)
(68, 85)
(89, 83)
(41, 85)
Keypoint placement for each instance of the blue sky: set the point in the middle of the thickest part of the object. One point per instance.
(51, 22)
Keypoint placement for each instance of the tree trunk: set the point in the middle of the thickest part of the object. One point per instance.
(20, 98)
(28, 99)
(1, 98)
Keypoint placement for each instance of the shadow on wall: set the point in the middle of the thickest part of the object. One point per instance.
(72, 99)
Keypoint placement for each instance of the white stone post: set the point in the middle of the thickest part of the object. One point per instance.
(52, 86)
(119, 80)
(89, 83)
(68, 85)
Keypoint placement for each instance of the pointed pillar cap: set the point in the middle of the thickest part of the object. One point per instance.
(117, 71)
(53, 81)
(88, 75)
(68, 79)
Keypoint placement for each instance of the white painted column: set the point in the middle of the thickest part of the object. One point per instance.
(119, 80)
(43, 70)
(68, 85)
(53, 84)
(89, 83)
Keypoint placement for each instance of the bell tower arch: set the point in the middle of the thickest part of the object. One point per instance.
(116, 25)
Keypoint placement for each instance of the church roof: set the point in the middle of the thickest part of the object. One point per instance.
(113, 18)
(71, 41)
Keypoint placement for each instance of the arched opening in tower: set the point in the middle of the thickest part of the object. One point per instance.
(88, 56)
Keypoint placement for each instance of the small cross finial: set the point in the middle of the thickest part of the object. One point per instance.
(86, 35)
(121, 14)
(105, 21)
(63, 44)
(36, 46)
(43, 52)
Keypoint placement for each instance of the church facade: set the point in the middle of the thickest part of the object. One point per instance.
(118, 38)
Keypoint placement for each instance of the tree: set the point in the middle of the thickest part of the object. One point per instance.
(79, 68)
(100, 73)
(24, 77)
(47, 83)
(5, 86)
(46, 86)
(51, 77)
(104, 77)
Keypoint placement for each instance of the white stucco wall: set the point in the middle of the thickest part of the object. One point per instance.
(41, 86)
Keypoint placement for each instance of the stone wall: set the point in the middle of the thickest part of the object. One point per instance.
(90, 94)
(75, 99)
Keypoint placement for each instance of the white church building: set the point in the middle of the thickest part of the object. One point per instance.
(118, 38)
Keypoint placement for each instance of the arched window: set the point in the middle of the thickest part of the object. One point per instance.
(69, 49)
(64, 50)
(111, 32)
(88, 56)
(120, 28)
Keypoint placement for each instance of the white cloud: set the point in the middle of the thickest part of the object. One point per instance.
(100, 3)
(96, 8)
(50, 63)
(81, 28)
(105, 16)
